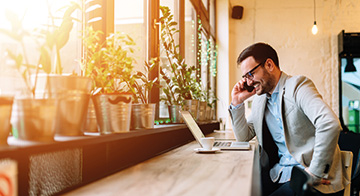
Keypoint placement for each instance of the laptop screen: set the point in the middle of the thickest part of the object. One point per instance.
(191, 123)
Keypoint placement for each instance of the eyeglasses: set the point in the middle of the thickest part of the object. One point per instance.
(250, 75)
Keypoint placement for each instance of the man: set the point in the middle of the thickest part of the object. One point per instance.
(293, 125)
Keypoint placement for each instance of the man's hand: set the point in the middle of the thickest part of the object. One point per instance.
(239, 94)
(316, 180)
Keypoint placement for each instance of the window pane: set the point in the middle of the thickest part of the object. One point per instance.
(172, 4)
(130, 18)
(205, 2)
(350, 81)
(190, 34)
(212, 15)
(212, 69)
(204, 44)
(35, 16)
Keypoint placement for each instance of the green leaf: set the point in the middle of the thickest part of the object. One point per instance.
(45, 60)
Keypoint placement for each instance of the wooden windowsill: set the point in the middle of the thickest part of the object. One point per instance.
(71, 162)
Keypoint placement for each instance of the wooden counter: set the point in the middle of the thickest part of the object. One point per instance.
(182, 171)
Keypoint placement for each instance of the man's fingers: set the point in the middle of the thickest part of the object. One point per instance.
(325, 182)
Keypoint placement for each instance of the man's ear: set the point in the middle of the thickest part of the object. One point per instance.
(270, 65)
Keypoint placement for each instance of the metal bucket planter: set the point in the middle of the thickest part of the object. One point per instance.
(113, 112)
(174, 114)
(192, 105)
(208, 112)
(202, 111)
(34, 119)
(73, 94)
(143, 116)
(90, 124)
(5, 116)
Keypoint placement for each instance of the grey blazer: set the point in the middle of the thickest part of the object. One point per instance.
(311, 129)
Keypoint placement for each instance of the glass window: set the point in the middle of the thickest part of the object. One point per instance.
(174, 8)
(205, 3)
(130, 18)
(204, 61)
(212, 69)
(190, 34)
(35, 15)
(350, 81)
(212, 16)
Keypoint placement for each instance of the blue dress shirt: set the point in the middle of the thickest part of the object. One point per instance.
(274, 122)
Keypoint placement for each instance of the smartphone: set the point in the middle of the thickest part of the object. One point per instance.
(248, 88)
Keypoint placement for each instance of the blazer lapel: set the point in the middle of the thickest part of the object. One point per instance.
(260, 122)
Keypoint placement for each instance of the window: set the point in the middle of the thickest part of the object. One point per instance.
(190, 34)
(173, 6)
(130, 18)
(35, 15)
(135, 18)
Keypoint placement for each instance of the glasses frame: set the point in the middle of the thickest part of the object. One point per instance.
(249, 75)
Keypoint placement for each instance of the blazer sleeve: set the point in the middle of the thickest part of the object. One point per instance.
(243, 130)
(325, 121)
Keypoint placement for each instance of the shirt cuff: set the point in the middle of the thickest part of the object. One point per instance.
(232, 107)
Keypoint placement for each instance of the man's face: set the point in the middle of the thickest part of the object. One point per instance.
(259, 77)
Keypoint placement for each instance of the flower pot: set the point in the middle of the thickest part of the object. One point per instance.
(6, 103)
(174, 114)
(113, 112)
(202, 111)
(90, 124)
(142, 116)
(73, 94)
(208, 113)
(192, 105)
(34, 119)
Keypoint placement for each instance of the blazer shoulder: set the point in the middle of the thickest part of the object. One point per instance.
(294, 82)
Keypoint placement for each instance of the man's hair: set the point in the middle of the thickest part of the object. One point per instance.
(260, 52)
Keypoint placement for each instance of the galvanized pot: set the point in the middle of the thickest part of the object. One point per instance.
(73, 94)
(90, 124)
(6, 103)
(192, 105)
(113, 112)
(143, 116)
(34, 119)
(174, 114)
(202, 111)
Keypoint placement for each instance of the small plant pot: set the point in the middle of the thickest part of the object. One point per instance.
(192, 105)
(143, 116)
(90, 124)
(174, 114)
(73, 95)
(113, 112)
(6, 103)
(34, 119)
(202, 111)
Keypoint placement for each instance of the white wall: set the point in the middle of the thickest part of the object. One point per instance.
(286, 25)
(222, 40)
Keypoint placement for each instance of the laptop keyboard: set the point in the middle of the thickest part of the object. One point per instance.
(222, 144)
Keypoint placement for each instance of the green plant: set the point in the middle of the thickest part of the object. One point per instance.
(179, 78)
(47, 38)
(141, 90)
(108, 64)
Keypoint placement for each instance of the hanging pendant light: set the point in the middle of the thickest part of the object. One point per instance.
(314, 29)
(350, 67)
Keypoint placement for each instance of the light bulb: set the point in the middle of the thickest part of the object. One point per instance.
(314, 29)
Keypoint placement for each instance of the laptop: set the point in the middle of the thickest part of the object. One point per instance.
(197, 133)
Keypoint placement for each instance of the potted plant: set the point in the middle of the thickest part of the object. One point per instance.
(180, 79)
(143, 112)
(6, 103)
(109, 65)
(33, 119)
